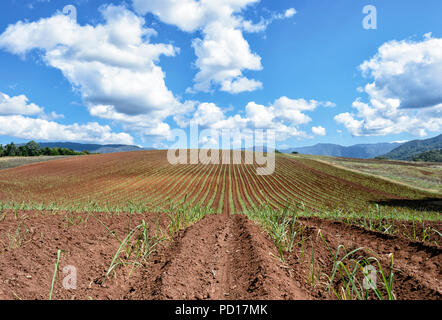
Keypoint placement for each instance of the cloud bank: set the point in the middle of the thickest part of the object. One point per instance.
(113, 65)
(21, 119)
(405, 94)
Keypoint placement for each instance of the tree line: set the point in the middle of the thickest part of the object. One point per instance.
(33, 149)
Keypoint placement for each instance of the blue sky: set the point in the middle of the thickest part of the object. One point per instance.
(132, 71)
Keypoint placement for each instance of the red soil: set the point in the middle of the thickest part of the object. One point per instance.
(148, 178)
(220, 257)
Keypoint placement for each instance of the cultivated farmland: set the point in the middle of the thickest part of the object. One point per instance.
(424, 175)
(145, 180)
(138, 227)
(12, 162)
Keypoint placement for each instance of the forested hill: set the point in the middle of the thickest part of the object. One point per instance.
(411, 149)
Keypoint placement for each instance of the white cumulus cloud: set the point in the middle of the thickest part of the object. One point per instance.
(17, 105)
(113, 65)
(405, 94)
(290, 13)
(23, 119)
(284, 116)
(39, 129)
(319, 131)
(222, 52)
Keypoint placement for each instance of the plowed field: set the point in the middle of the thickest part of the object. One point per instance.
(339, 222)
(220, 257)
(147, 179)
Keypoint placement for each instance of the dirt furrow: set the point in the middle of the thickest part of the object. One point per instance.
(417, 265)
(220, 257)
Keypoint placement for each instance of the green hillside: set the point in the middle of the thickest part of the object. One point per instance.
(414, 148)
(429, 156)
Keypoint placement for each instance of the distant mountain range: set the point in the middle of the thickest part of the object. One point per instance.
(414, 148)
(394, 151)
(361, 151)
(92, 148)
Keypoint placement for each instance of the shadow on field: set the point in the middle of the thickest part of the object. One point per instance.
(420, 204)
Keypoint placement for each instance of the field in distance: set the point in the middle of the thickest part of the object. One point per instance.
(424, 175)
(146, 181)
(13, 162)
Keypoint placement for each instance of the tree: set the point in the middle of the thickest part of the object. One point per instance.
(11, 150)
(33, 149)
(22, 151)
(46, 151)
(295, 152)
(54, 152)
(68, 152)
